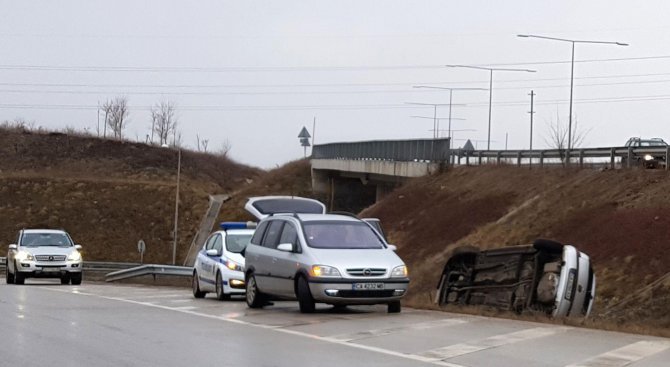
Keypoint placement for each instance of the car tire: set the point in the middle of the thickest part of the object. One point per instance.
(394, 307)
(220, 295)
(254, 297)
(76, 278)
(195, 283)
(9, 277)
(305, 299)
(18, 277)
(65, 279)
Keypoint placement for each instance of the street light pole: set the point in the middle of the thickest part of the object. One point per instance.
(435, 119)
(491, 70)
(572, 68)
(438, 120)
(451, 90)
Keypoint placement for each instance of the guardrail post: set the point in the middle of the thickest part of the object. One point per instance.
(630, 157)
(467, 158)
(581, 158)
(612, 158)
(667, 154)
(479, 158)
(541, 158)
(498, 156)
(518, 159)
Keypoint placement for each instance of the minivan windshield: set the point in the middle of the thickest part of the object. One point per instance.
(237, 242)
(341, 235)
(45, 239)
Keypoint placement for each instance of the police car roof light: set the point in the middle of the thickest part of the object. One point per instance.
(237, 225)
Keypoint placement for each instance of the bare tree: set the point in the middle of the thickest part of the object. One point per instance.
(201, 143)
(164, 122)
(558, 137)
(116, 115)
(226, 146)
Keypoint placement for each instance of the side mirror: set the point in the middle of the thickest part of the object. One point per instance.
(12, 246)
(286, 247)
(392, 247)
(212, 252)
(77, 247)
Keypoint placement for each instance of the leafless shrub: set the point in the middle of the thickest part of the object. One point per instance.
(116, 116)
(164, 122)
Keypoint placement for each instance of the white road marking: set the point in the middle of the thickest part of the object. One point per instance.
(185, 308)
(625, 355)
(181, 300)
(491, 342)
(381, 332)
(268, 327)
(172, 295)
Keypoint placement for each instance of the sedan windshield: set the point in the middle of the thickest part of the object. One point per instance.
(45, 239)
(341, 235)
(237, 242)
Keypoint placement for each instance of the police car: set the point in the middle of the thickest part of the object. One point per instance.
(219, 266)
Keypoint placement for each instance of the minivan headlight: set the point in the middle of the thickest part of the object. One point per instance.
(648, 157)
(399, 272)
(74, 256)
(324, 271)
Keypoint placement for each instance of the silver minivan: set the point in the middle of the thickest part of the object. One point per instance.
(300, 252)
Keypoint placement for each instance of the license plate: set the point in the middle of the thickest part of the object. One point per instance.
(368, 286)
(50, 270)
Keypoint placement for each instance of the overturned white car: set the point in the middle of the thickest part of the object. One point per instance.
(546, 276)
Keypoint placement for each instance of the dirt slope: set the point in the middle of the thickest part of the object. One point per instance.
(620, 218)
(108, 194)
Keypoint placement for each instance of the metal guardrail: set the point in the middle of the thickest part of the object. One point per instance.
(3, 261)
(433, 150)
(576, 156)
(150, 269)
(93, 265)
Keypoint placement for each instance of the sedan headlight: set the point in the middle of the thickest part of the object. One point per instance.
(24, 256)
(399, 272)
(74, 256)
(324, 271)
(648, 157)
(234, 266)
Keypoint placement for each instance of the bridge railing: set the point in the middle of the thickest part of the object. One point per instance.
(576, 156)
(431, 150)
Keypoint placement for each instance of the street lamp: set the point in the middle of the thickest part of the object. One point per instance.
(451, 91)
(491, 70)
(438, 120)
(435, 126)
(572, 68)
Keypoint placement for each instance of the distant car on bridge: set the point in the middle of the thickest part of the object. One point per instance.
(646, 160)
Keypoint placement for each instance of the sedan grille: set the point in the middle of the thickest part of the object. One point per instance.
(50, 257)
(366, 272)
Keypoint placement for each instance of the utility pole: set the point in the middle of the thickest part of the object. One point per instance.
(506, 136)
(176, 209)
(532, 112)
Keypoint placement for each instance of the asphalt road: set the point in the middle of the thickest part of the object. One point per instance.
(46, 324)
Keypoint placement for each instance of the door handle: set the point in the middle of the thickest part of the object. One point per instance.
(274, 260)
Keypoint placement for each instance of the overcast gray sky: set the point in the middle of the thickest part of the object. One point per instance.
(255, 72)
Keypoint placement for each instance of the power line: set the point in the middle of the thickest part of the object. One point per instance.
(291, 68)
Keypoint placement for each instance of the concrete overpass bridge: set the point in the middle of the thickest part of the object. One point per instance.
(355, 175)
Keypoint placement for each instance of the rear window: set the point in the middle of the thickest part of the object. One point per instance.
(271, 206)
(341, 235)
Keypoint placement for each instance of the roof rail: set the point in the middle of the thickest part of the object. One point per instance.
(348, 214)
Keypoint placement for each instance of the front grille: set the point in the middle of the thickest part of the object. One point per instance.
(366, 272)
(366, 294)
(50, 257)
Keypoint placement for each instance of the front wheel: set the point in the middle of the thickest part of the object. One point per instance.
(220, 295)
(197, 293)
(76, 278)
(305, 299)
(9, 277)
(255, 299)
(18, 277)
(394, 307)
(65, 279)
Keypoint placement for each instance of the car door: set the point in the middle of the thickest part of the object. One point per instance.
(204, 264)
(265, 258)
(284, 263)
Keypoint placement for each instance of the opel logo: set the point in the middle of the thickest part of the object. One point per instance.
(51, 258)
(367, 272)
